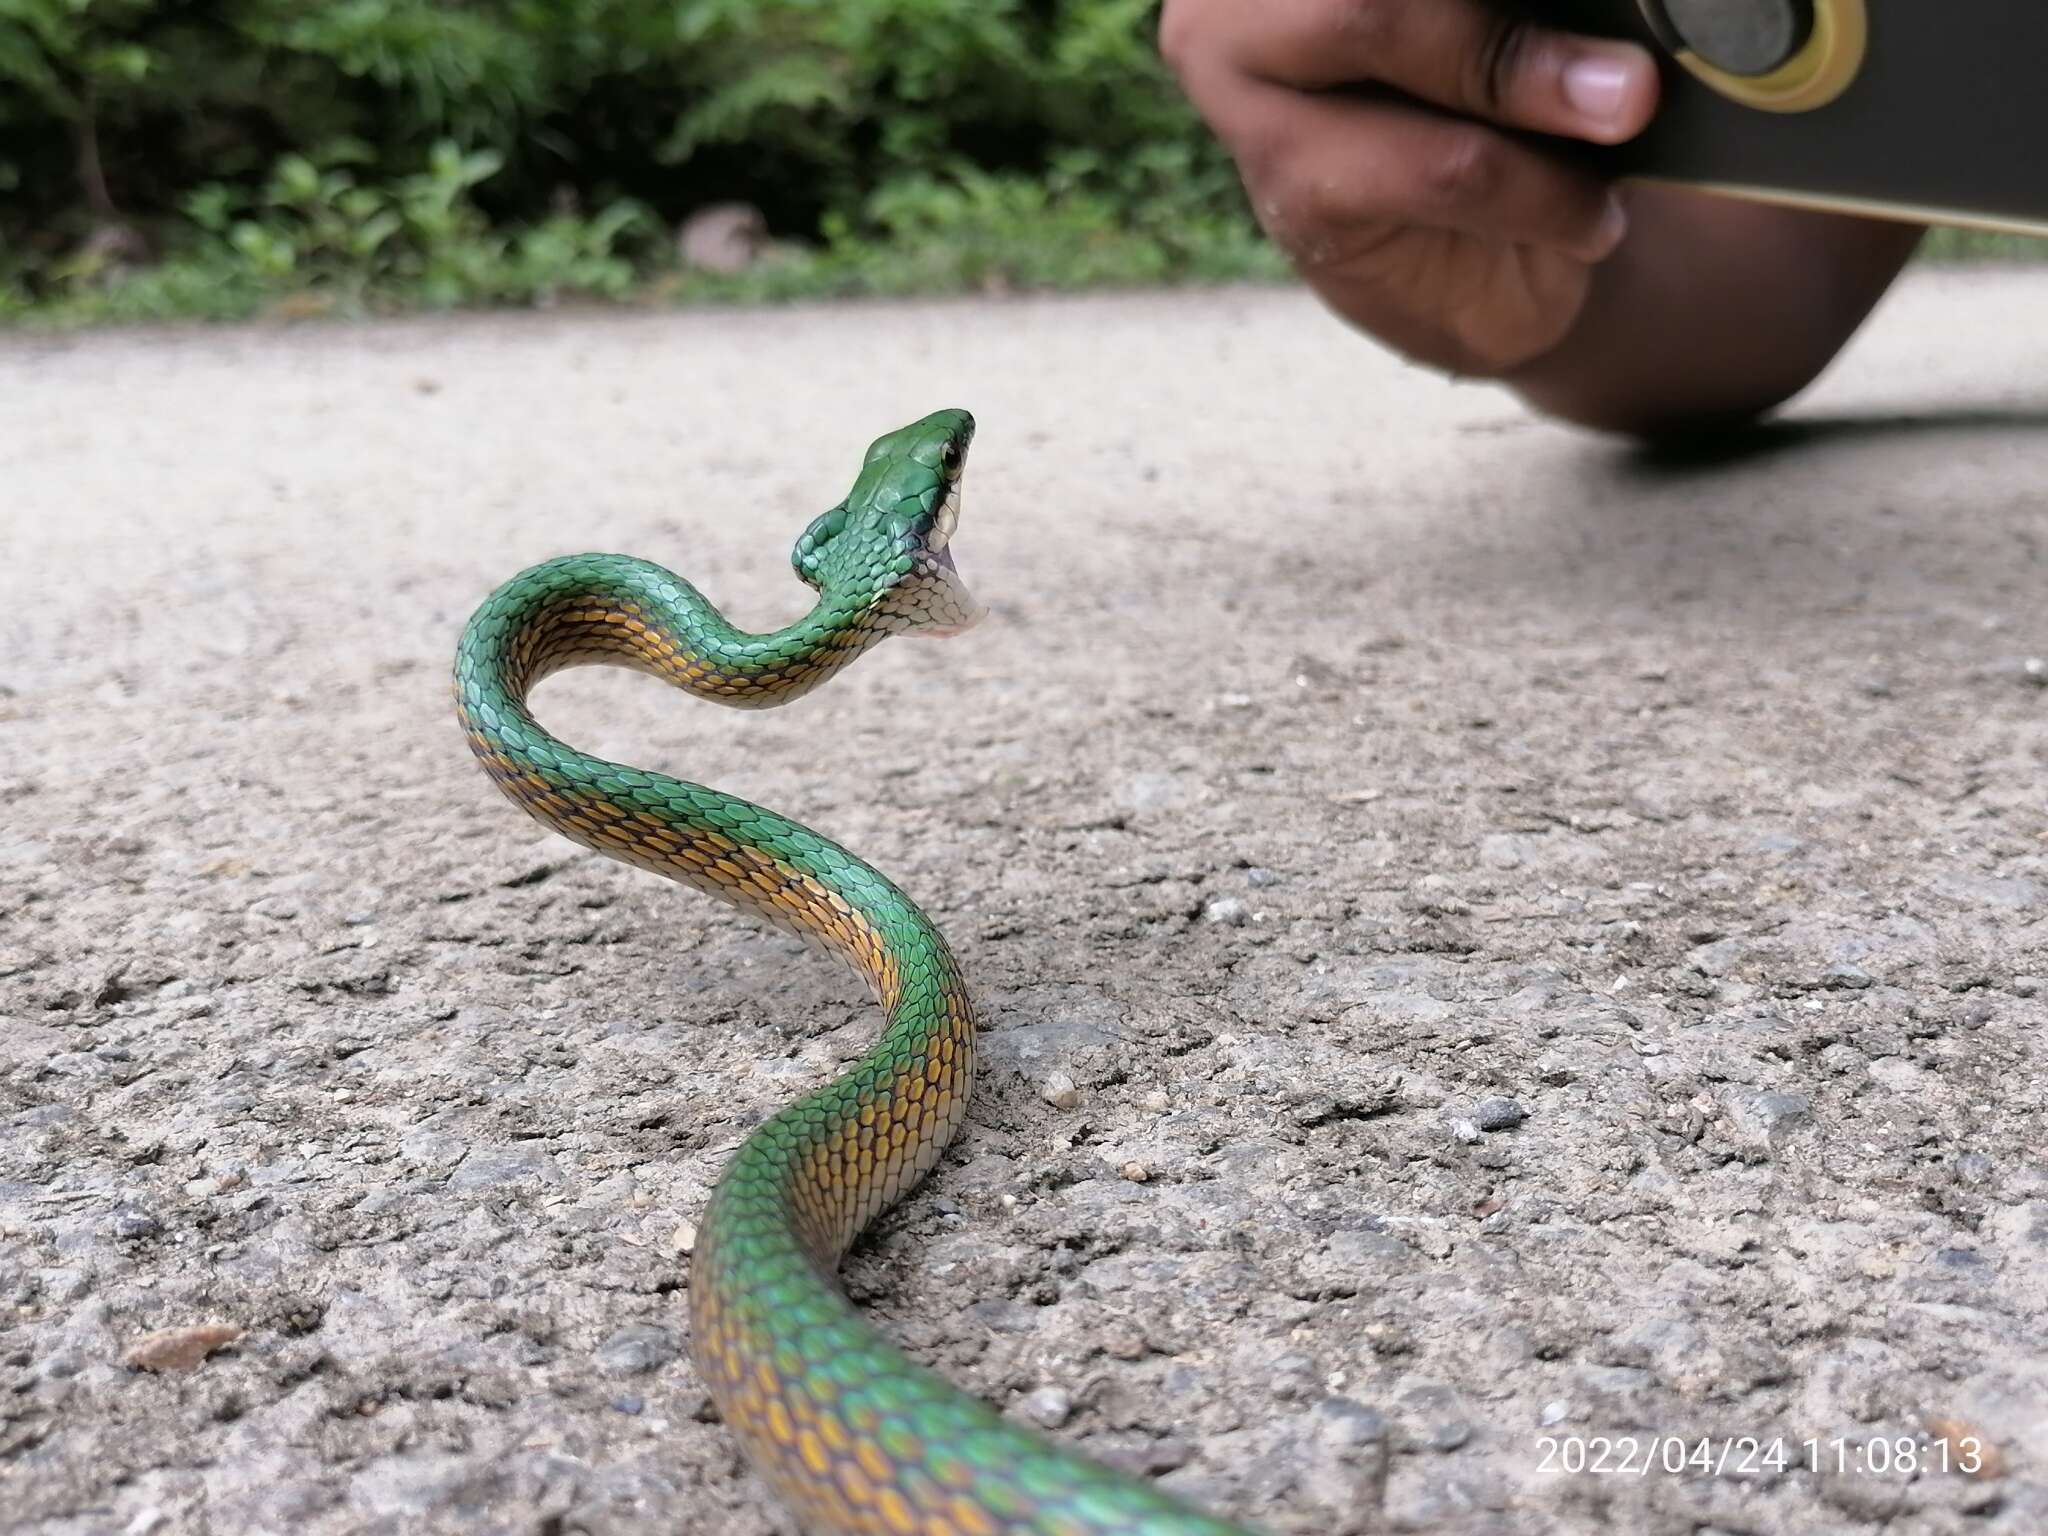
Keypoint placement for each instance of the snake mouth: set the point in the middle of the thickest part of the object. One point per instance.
(949, 605)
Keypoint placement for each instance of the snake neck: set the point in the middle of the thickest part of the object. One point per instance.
(614, 610)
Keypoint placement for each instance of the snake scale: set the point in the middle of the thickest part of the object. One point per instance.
(853, 1436)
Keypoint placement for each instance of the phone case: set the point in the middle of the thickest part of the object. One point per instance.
(1926, 110)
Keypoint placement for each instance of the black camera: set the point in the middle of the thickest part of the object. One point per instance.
(1913, 109)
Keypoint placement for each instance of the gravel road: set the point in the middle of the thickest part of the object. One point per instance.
(1492, 943)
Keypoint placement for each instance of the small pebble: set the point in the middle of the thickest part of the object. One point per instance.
(1228, 911)
(1447, 1436)
(640, 1348)
(1259, 878)
(1125, 1342)
(132, 1223)
(1499, 1115)
(1464, 1130)
(1348, 1423)
(1840, 1058)
(1059, 1091)
(1292, 1378)
(1975, 1167)
(1137, 1173)
(2026, 986)
(1779, 1111)
(1845, 977)
(630, 1405)
(1049, 1407)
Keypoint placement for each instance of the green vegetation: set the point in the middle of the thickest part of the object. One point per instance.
(221, 158)
(165, 158)
(1982, 245)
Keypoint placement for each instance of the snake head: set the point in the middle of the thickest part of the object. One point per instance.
(888, 548)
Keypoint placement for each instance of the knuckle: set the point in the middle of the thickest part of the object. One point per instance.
(1176, 34)
(1265, 154)
(1187, 36)
(1503, 53)
(1299, 211)
(1373, 30)
(1465, 173)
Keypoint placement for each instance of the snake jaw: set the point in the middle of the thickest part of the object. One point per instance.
(947, 517)
(951, 606)
(935, 601)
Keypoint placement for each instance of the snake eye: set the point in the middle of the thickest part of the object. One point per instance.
(949, 458)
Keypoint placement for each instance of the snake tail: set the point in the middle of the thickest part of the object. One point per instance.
(857, 1439)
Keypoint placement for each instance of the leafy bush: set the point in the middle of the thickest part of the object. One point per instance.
(162, 156)
(1964, 245)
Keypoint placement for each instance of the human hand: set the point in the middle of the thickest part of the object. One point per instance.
(1375, 140)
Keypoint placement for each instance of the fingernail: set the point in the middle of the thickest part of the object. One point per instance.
(1595, 85)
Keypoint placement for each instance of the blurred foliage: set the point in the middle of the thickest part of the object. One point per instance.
(1982, 245)
(161, 158)
(166, 157)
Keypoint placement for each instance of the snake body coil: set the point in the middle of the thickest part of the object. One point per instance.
(856, 1438)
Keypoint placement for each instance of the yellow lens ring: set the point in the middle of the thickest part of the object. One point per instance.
(1814, 76)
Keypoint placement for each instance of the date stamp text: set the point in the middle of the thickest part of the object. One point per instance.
(1744, 1456)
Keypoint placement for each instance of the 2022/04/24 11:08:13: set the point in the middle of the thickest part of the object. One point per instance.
(1748, 1456)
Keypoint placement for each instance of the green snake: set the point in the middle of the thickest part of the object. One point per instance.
(856, 1438)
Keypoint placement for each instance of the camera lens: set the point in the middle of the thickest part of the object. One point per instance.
(1743, 37)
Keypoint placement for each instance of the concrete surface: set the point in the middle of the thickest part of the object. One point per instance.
(1347, 754)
